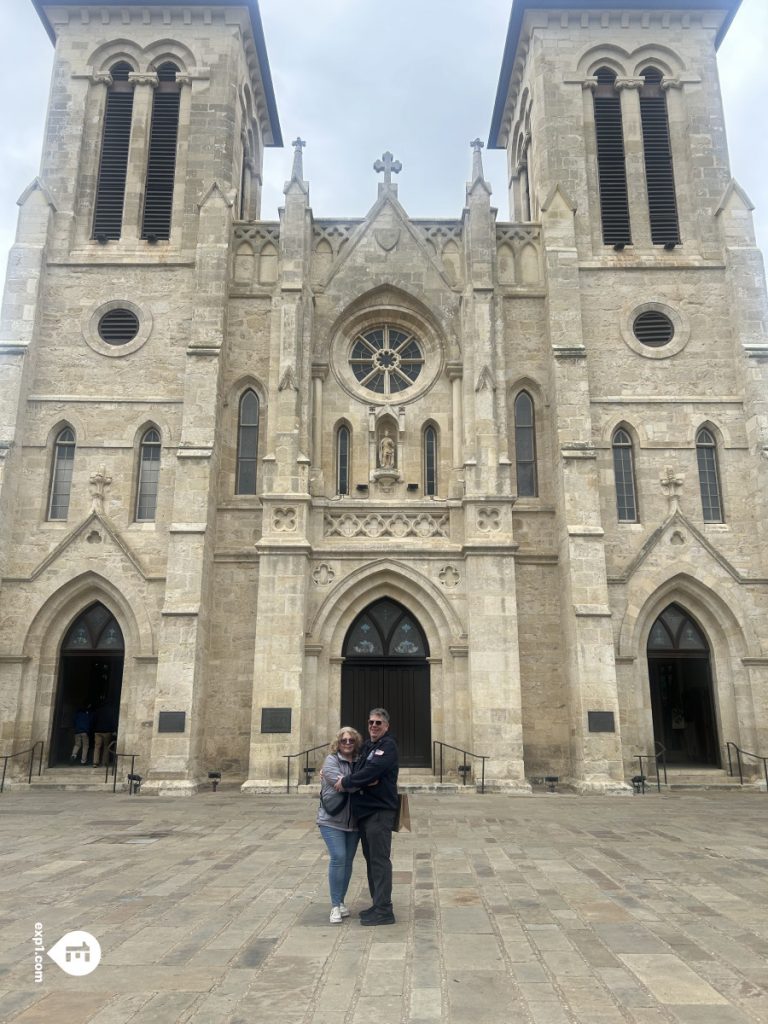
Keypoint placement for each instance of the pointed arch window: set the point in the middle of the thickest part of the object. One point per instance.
(161, 163)
(149, 476)
(624, 477)
(709, 477)
(342, 459)
(385, 629)
(247, 443)
(430, 460)
(61, 474)
(525, 447)
(659, 173)
(113, 162)
(611, 163)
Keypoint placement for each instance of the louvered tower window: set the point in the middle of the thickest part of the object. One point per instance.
(430, 461)
(660, 178)
(149, 476)
(113, 165)
(247, 443)
(611, 165)
(624, 477)
(161, 164)
(525, 447)
(61, 474)
(342, 460)
(709, 478)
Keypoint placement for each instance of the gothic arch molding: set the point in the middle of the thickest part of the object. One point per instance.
(386, 578)
(702, 600)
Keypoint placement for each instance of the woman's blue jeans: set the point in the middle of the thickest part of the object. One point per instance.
(341, 847)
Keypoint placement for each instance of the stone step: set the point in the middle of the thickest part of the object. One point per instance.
(695, 778)
(75, 780)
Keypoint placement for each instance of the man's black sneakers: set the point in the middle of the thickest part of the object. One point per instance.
(377, 917)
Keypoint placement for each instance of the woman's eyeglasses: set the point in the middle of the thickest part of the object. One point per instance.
(345, 739)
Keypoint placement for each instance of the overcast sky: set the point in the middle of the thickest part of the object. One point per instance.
(356, 77)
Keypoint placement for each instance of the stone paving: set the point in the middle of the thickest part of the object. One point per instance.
(549, 910)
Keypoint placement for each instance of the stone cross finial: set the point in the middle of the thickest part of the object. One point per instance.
(389, 165)
(298, 159)
(99, 482)
(672, 485)
(477, 159)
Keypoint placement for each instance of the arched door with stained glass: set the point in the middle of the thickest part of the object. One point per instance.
(680, 678)
(90, 675)
(385, 665)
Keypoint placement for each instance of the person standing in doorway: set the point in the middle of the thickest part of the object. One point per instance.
(373, 783)
(82, 726)
(104, 727)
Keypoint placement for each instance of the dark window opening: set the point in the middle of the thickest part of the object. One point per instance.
(660, 179)
(342, 461)
(525, 447)
(624, 476)
(430, 461)
(611, 164)
(709, 477)
(161, 164)
(113, 163)
(149, 476)
(247, 443)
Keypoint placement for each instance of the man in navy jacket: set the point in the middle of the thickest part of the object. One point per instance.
(374, 803)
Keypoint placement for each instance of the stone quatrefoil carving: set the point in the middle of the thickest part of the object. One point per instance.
(488, 520)
(449, 577)
(323, 575)
(284, 520)
(398, 524)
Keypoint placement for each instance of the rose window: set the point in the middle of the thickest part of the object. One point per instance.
(386, 360)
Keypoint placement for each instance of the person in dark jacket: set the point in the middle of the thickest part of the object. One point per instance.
(374, 804)
(104, 726)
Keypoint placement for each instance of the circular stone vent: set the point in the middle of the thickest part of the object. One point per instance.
(118, 326)
(653, 329)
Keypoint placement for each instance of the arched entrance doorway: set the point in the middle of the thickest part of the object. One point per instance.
(90, 674)
(385, 665)
(681, 689)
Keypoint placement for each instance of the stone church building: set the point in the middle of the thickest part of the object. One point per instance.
(507, 478)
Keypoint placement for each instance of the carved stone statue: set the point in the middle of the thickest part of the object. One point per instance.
(386, 452)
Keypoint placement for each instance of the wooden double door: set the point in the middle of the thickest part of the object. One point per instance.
(403, 689)
(386, 665)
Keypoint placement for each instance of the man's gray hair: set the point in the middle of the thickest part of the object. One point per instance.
(381, 712)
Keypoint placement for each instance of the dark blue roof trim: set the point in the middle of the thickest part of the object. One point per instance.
(520, 7)
(256, 27)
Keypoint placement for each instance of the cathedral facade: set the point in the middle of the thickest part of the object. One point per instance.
(506, 478)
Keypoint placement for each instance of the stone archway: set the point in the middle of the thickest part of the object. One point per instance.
(386, 665)
(680, 679)
(90, 675)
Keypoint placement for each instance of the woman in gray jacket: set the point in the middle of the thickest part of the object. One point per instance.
(338, 827)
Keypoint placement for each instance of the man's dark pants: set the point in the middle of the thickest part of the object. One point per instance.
(376, 840)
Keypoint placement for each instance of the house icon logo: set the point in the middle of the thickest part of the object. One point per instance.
(77, 953)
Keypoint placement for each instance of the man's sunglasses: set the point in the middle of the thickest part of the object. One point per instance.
(375, 721)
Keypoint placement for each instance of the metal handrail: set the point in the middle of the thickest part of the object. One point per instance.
(7, 757)
(113, 767)
(659, 758)
(745, 753)
(305, 754)
(464, 768)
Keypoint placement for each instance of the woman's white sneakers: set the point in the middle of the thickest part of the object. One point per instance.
(337, 913)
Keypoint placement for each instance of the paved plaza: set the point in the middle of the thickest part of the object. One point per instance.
(545, 910)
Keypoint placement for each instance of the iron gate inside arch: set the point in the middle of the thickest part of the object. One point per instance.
(385, 665)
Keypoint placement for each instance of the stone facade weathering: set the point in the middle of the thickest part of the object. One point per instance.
(507, 477)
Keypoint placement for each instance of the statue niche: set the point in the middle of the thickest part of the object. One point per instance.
(387, 455)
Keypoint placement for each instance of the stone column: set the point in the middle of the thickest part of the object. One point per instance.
(144, 85)
(634, 161)
(596, 757)
(284, 551)
(319, 373)
(175, 765)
